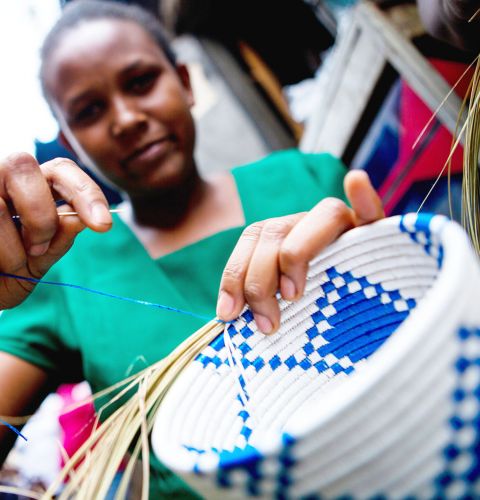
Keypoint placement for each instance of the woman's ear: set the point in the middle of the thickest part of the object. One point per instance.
(64, 142)
(184, 76)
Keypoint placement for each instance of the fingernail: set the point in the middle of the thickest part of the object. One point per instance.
(100, 214)
(287, 288)
(39, 249)
(263, 323)
(225, 305)
(370, 210)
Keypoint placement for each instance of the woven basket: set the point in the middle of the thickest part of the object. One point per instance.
(370, 389)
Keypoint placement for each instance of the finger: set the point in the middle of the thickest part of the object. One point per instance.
(80, 191)
(363, 198)
(15, 261)
(315, 231)
(262, 279)
(23, 184)
(68, 228)
(230, 298)
(12, 252)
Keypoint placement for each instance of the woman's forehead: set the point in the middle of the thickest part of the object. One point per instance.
(96, 39)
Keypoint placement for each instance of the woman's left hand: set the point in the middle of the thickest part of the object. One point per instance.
(273, 255)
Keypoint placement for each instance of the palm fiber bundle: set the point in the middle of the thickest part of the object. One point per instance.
(471, 157)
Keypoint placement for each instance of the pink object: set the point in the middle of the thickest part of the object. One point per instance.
(414, 115)
(77, 423)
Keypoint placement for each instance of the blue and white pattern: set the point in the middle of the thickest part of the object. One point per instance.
(335, 405)
(460, 475)
(332, 345)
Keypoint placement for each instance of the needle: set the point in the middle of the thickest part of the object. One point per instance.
(61, 214)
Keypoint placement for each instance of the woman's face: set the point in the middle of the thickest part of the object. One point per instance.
(122, 106)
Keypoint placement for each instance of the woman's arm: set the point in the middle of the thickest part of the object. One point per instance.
(274, 254)
(449, 21)
(22, 387)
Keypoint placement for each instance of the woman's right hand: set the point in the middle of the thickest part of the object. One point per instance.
(274, 254)
(29, 190)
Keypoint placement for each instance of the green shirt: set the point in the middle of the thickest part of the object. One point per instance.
(75, 335)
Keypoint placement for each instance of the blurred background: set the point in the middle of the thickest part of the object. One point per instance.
(23, 25)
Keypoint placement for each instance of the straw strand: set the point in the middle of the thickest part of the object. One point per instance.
(98, 459)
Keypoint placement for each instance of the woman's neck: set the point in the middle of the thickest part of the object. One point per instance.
(212, 207)
(169, 208)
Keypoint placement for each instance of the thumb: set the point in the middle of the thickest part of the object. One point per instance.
(363, 198)
(69, 227)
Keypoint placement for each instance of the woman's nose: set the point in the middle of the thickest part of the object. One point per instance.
(127, 118)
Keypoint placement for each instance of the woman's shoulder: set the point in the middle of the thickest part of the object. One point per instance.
(288, 181)
(293, 162)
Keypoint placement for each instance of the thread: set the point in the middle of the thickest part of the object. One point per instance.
(2, 422)
(113, 296)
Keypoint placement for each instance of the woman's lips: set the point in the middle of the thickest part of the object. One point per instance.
(150, 154)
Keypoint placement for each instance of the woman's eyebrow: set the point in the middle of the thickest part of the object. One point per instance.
(138, 64)
(78, 98)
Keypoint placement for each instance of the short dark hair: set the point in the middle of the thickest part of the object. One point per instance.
(80, 11)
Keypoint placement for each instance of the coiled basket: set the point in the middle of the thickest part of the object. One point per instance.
(370, 389)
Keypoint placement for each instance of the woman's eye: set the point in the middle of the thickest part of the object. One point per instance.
(88, 113)
(142, 83)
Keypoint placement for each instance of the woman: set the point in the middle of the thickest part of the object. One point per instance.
(123, 106)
